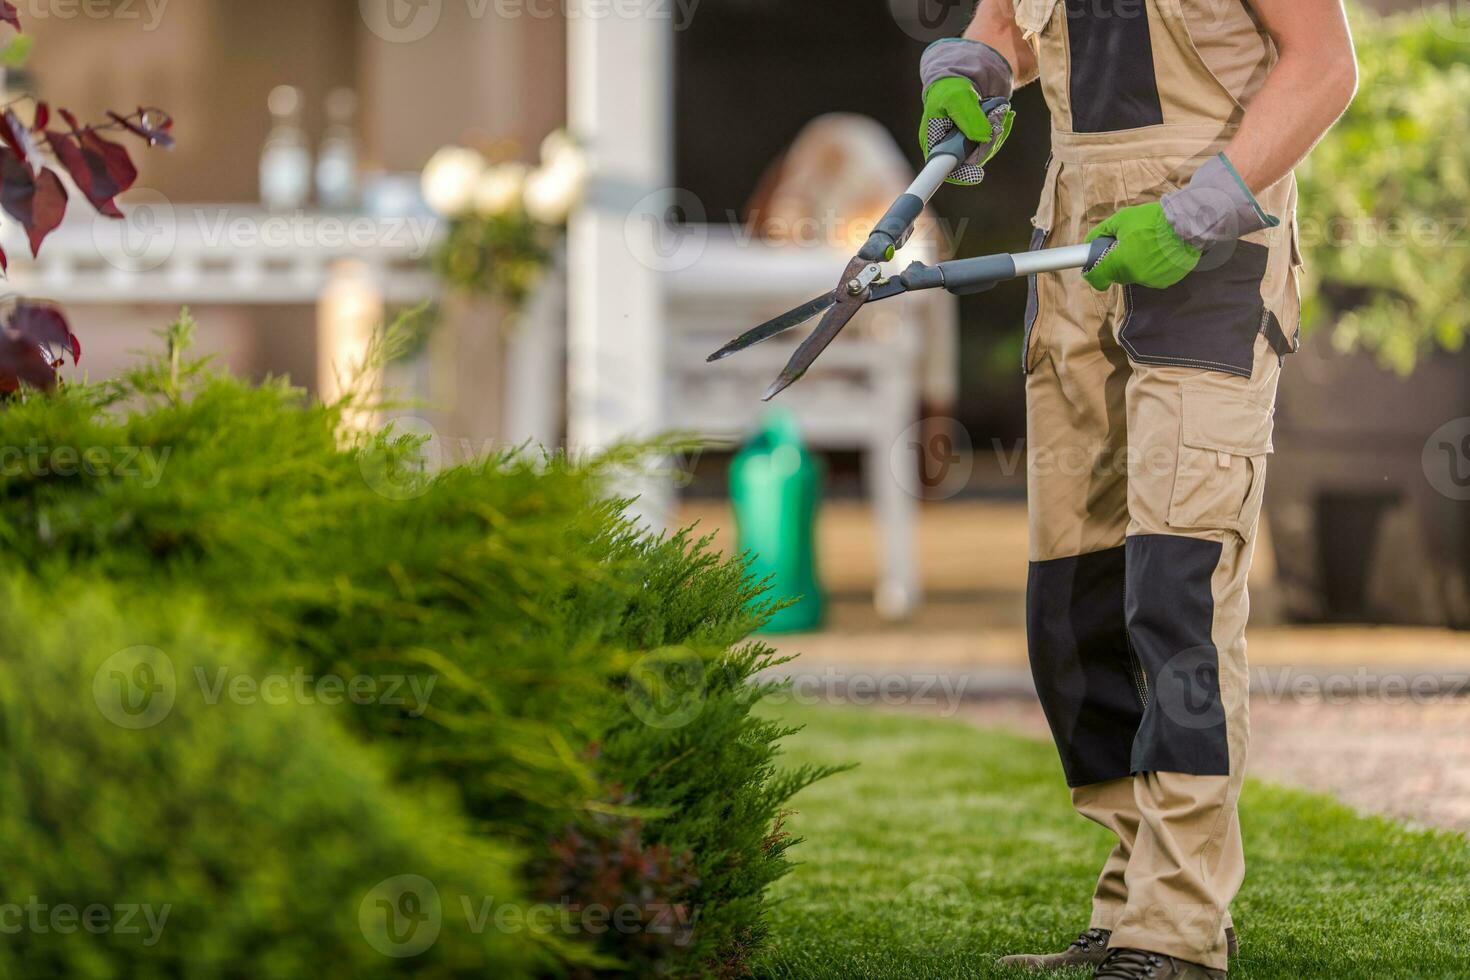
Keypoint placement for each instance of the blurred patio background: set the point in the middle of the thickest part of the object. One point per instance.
(696, 219)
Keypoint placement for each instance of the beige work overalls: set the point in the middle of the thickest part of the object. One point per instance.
(1149, 416)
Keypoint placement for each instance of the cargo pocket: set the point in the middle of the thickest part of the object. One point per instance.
(1207, 320)
(1220, 476)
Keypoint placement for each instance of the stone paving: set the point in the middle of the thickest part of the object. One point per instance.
(1410, 761)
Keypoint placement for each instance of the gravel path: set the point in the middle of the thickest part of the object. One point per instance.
(1405, 760)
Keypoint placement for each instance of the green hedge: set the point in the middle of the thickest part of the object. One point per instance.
(1385, 197)
(184, 838)
(590, 704)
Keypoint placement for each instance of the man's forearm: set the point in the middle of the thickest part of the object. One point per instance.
(1306, 92)
(995, 25)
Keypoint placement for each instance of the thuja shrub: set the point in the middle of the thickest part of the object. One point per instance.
(581, 685)
(148, 831)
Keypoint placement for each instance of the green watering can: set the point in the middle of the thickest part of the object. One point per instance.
(775, 489)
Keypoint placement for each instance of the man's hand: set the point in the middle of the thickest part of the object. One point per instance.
(1159, 244)
(956, 99)
(1149, 251)
(957, 74)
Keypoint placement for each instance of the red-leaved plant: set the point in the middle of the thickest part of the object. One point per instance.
(35, 338)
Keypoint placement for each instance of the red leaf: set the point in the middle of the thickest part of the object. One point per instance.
(44, 324)
(153, 125)
(18, 138)
(37, 201)
(101, 169)
(71, 120)
(4, 261)
(9, 14)
(25, 362)
(43, 115)
(27, 342)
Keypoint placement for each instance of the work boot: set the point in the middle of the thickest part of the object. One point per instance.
(1140, 964)
(1088, 949)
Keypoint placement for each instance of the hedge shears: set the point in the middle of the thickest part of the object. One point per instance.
(863, 280)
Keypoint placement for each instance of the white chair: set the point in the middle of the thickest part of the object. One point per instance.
(862, 393)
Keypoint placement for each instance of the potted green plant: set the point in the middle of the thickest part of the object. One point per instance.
(499, 259)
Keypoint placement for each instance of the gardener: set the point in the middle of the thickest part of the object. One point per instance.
(1149, 398)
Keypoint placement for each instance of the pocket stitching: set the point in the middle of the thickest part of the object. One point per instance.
(1222, 445)
(1254, 457)
(1204, 523)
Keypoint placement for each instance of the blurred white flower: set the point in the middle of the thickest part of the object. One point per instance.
(554, 190)
(500, 189)
(559, 147)
(451, 178)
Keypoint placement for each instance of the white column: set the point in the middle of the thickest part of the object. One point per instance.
(620, 94)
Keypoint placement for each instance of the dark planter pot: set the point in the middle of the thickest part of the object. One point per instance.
(1369, 495)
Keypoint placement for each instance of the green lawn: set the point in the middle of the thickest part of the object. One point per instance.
(950, 845)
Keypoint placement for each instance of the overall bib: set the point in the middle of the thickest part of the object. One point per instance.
(1149, 415)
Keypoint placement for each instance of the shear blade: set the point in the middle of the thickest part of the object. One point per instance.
(769, 329)
(811, 348)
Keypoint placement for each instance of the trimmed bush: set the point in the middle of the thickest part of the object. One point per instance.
(576, 681)
(1384, 196)
(150, 833)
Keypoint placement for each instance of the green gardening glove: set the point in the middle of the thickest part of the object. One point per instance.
(955, 99)
(953, 102)
(957, 75)
(1159, 244)
(1149, 251)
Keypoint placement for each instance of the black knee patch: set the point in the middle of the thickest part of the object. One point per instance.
(1170, 613)
(1084, 675)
